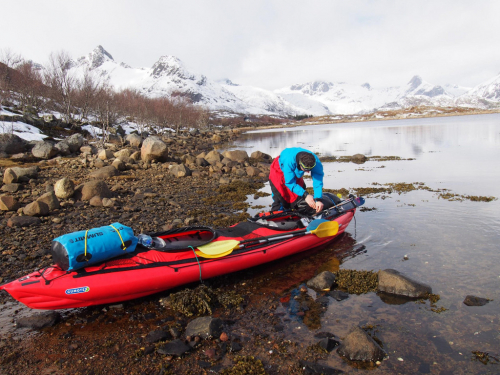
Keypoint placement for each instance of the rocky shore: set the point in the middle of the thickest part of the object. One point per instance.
(228, 325)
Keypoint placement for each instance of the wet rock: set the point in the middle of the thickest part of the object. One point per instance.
(315, 368)
(44, 150)
(393, 282)
(359, 346)
(322, 281)
(236, 155)
(8, 203)
(475, 301)
(104, 173)
(338, 295)
(235, 347)
(156, 336)
(105, 154)
(205, 327)
(12, 144)
(328, 343)
(176, 347)
(134, 140)
(50, 200)
(153, 148)
(64, 188)
(180, 170)
(39, 320)
(358, 158)
(23, 221)
(36, 208)
(96, 187)
(19, 174)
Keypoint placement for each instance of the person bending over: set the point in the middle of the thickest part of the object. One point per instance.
(287, 183)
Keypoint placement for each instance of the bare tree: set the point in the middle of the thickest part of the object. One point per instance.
(62, 82)
(87, 91)
(31, 92)
(8, 62)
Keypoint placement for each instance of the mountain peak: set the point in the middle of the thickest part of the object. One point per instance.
(98, 57)
(415, 82)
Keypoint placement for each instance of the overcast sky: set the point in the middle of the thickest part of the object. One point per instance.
(273, 43)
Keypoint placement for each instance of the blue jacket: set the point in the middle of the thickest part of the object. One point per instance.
(291, 172)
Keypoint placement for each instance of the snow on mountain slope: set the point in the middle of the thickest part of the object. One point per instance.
(485, 95)
(337, 98)
(169, 75)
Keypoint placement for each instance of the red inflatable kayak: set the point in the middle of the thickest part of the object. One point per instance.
(177, 262)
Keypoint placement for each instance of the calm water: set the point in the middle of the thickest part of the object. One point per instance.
(452, 246)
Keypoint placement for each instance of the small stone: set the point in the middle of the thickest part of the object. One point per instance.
(224, 337)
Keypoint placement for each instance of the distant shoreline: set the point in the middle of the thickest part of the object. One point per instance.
(401, 115)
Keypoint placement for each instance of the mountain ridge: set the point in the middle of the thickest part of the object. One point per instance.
(169, 75)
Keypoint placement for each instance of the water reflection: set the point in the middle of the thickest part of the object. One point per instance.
(452, 246)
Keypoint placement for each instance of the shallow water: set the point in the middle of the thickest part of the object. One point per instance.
(452, 246)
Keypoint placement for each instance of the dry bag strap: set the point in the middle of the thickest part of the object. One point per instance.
(124, 247)
(86, 232)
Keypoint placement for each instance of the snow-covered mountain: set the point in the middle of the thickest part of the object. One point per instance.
(169, 75)
(484, 95)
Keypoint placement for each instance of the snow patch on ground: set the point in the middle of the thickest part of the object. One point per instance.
(22, 130)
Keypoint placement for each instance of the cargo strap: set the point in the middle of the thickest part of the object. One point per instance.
(124, 247)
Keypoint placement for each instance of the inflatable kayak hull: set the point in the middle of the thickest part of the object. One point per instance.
(151, 270)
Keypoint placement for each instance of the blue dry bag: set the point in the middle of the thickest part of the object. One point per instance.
(84, 248)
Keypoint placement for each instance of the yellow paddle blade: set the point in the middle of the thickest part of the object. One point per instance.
(218, 247)
(326, 229)
(203, 255)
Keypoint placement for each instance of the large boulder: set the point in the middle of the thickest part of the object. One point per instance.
(260, 156)
(64, 188)
(153, 148)
(44, 150)
(134, 140)
(213, 157)
(74, 142)
(236, 155)
(12, 144)
(19, 174)
(205, 327)
(358, 158)
(393, 282)
(96, 187)
(322, 281)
